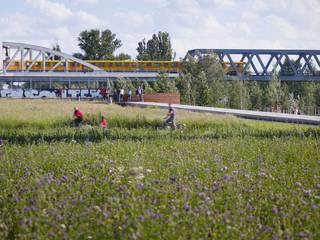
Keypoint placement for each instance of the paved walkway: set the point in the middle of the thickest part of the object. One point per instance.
(257, 115)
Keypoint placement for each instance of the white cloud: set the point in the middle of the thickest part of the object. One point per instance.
(225, 3)
(51, 9)
(60, 33)
(86, 19)
(283, 28)
(134, 19)
(191, 23)
(86, 1)
(14, 25)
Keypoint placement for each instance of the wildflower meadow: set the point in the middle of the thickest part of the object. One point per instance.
(220, 178)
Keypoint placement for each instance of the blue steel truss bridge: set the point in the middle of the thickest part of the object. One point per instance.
(261, 64)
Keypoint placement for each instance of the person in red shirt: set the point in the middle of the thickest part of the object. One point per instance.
(104, 122)
(78, 117)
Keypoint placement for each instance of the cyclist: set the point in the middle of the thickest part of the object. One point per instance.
(171, 117)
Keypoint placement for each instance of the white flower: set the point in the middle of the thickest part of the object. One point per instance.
(140, 176)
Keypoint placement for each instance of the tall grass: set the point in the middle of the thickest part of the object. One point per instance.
(220, 178)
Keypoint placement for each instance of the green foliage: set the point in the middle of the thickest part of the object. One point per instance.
(120, 83)
(122, 56)
(202, 81)
(203, 91)
(157, 48)
(255, 93)
(274, 92)
(164, 85)
(184, 83)
(98, 45)
(266, 96)
(238, 95)
(216, 179)
(308, 100)
(287, 66)
(146, 87)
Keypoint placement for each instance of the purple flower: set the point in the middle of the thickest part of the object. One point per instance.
(105, 215)
(65, 178)
(141, 218)
(275, 210)
(262, 174)
(26, 209)
(187, 207)
(227, 177)
(303, 234)
(29, 221)
(173, 179)
(140, 186)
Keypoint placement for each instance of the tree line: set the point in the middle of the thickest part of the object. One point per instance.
(203, 80)
(203, 83)
(101, 45)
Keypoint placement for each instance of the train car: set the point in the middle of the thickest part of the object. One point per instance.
(107, 65)
(115, 66)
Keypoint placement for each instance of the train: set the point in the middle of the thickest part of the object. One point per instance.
(113, 66)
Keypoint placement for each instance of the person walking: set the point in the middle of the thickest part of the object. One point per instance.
(121, 94)
(129, 95)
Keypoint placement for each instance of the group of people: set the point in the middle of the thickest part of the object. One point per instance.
(170, 118)
(118, 94)
(78, 119)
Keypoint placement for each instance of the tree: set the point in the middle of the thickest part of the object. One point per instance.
(157, 48)
(287, 70)
(311, 68)
(285, 98)
(122, 56)
(317, 97)
(203, 90)
(79, 55)
(308, 99)
(214, 73)
(146, 87)
(120, 83)
(98, 45)
(165, 85)
(184, 85)
(255, 95)
(238, 95)
(274, 92)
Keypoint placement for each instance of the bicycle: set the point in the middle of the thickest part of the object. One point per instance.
(168, 125)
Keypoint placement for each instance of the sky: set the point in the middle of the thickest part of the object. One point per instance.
(287, 24)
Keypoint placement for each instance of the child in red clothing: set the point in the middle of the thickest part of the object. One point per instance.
(104, 122)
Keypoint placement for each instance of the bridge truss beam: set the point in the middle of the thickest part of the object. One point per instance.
(260, 64)
(21, 52)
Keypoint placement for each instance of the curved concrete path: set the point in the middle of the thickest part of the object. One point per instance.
(256, 115)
